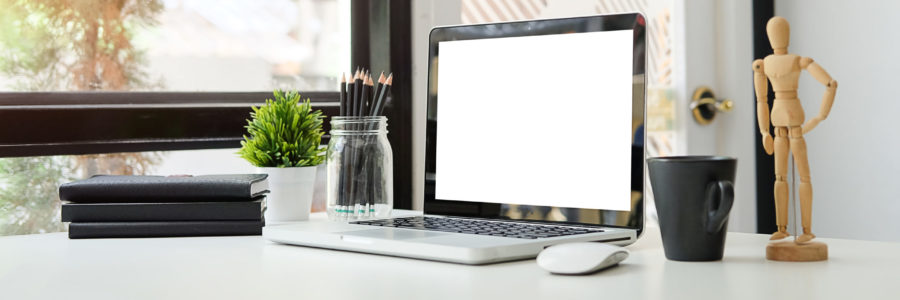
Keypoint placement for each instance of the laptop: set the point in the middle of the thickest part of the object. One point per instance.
(534, 137)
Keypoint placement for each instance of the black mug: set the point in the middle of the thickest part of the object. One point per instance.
(693, 196)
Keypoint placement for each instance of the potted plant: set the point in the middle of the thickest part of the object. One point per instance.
(284, 141)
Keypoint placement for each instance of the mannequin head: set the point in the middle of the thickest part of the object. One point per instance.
(779, 34)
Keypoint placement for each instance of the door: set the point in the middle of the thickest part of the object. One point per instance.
(851, 154)
(714, 48)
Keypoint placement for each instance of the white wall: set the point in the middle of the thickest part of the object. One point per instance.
(853, 153)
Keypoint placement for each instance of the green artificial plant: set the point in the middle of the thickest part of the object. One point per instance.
(284, 133)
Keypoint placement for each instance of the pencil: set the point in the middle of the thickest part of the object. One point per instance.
(362, 190)
(347, 163)
(359, 88)
(343, 95)
(365, 93)
(378, 86)
(370, 84)
(379, 105)
(353, 199)
(351, 87)
(369, 96)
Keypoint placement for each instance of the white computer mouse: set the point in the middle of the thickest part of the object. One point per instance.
(580, 258)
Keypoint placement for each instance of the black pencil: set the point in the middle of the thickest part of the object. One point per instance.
(341, 196)
(379, 104)
(343, 95)
(351, 87)
(360, 189)
(348, 157)
(352, 199)
(369, 200)
(359, 97)
(357, 88)
(367, 92)
(378, 86)
(370, 97)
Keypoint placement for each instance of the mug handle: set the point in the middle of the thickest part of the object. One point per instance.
(721, 191)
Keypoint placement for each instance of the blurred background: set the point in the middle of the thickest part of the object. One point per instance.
(257, 46)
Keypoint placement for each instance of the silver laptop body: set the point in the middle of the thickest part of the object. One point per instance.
(580, 183)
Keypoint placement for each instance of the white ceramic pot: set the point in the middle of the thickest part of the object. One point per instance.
(291, 193)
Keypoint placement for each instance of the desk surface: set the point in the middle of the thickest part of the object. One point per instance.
(50, 266)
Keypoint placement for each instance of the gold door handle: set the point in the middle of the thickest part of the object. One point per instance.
(704, 105)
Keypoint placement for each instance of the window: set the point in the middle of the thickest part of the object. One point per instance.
(174, 45)
(131, 80)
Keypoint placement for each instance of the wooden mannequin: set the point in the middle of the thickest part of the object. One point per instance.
(783, 70)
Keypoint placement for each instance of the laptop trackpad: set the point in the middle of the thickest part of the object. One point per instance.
(392, 234)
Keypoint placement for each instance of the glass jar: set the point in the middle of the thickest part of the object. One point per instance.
(360, 163)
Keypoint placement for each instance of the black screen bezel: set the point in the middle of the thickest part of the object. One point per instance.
(633, 219)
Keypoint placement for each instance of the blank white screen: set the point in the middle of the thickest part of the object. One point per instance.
(538, 120)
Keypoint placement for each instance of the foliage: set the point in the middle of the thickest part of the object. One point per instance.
(65, 45)
(29, 200)
(129, 163)
(284, 133)
(53, 45)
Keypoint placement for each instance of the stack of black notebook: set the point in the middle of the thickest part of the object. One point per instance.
(106, 206)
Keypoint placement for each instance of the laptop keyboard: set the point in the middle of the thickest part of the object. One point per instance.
(480, 227)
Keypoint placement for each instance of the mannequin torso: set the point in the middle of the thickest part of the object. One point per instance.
(784, 70)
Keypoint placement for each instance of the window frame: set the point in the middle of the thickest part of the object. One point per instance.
(763, 10)
(381, 38)
(76, 123)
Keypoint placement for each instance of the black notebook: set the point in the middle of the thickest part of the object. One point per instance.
(85, 230)
(148, 189)
(176, 211)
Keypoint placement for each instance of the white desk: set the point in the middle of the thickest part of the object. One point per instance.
(50, 266)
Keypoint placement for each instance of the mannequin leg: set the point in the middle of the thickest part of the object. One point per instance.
(781, 188)
(798, 148)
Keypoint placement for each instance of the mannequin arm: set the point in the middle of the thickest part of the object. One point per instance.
(827, 99)
(761, 85)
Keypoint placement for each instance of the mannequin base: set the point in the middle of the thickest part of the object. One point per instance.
(790, 251)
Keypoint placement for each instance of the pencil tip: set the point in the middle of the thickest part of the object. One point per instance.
(381, 78)
(343, 78)
(390, 79)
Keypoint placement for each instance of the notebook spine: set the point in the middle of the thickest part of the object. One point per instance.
(85, 230)
(193, 211)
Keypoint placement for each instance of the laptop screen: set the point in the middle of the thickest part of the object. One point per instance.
(538, 120)
(500, 140)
